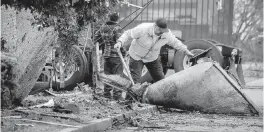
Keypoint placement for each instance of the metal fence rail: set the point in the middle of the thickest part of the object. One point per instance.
(189, 19)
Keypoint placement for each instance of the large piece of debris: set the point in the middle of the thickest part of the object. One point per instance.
(204, 87)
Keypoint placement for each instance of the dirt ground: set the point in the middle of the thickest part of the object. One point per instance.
(172, 120)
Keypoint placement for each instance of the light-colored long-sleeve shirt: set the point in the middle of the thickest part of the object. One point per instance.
(146, 45)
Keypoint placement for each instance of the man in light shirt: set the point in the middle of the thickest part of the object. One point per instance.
(148, 38)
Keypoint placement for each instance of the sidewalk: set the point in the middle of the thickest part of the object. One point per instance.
(255, 84)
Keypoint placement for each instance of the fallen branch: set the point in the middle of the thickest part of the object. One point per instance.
(51, 115)
(14, 117)
(63, 117)
(49, 123)
(50, 103)
(31, 125)
(62, 95)
(156, 127)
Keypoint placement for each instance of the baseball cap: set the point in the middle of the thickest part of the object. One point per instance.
(162, 24)
(114, 17)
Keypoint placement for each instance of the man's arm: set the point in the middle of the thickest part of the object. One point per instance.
(177, 44)
(118, 31)
(130, 34)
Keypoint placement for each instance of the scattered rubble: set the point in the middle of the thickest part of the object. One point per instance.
(53, 111)
(170, 120)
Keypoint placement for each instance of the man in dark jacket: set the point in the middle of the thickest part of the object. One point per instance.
(109, 33)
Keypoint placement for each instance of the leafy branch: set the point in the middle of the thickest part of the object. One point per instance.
(248, 18)
(66, 16)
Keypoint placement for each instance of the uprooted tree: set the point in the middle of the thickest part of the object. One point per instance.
(29, 31)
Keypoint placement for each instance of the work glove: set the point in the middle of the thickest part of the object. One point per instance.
(189, 54)
(118, 45)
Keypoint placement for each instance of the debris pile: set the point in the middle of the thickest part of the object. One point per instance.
(57, 110)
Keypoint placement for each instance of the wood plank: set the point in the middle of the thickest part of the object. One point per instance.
(49, 123)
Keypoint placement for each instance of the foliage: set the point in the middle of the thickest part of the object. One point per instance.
(8, 85)
(248, 28)
(248, 19)
(66, 16)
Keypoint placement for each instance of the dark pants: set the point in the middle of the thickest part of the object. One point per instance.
(113, 65)
(155, 69)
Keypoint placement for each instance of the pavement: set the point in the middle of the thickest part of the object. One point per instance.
(257, 84)
(256, 96)
(254, 91)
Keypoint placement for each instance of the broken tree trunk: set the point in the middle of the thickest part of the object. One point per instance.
(204, 87)
(30, 45)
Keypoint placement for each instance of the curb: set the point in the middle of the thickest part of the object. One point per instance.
(256, 84)
(254, 87)
(105, 123)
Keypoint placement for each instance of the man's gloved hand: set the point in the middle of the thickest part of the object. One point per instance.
(118, 45)
(189, 54)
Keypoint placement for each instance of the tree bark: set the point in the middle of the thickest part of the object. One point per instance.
(204, 87)
(30, 45)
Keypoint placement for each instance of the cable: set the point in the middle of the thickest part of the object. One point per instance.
(135, 11)
(138, 14)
